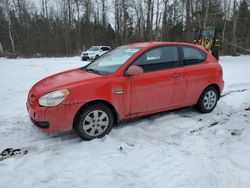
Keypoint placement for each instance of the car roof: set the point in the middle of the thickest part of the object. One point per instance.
(155, 44)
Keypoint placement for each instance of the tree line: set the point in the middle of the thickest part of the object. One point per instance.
(66, 27)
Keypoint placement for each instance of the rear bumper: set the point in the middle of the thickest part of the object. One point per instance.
(221, 85)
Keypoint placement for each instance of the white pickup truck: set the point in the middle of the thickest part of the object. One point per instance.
(94, 52)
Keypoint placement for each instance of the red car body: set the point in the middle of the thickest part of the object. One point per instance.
(128, 97)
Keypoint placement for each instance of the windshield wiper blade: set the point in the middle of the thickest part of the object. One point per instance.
(92, 70)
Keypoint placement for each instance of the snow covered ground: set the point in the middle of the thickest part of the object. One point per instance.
(181, 148)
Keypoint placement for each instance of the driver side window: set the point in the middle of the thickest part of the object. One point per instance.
(159, 59)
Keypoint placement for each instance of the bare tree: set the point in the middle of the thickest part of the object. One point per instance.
(226, 10)
(150, 13)
(104, 13)
(10, 25)
(62, 26)
(157, 19)
(77, 4)
(67, 24)
(206, 13)
(87, 4)
(1, 49)
(45, 8)
(235, 20)
(164, 29)
(188, 16)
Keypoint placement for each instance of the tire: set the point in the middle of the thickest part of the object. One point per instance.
(208, 100)
(94, 122)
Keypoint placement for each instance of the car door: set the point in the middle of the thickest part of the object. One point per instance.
(196, 71)
(161, 85)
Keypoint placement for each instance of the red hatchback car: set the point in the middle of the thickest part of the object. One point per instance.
(129, 81)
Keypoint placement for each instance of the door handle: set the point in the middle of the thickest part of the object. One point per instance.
(176, 75)
(118, 91)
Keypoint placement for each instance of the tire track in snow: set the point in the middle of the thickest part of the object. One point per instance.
(234, 91)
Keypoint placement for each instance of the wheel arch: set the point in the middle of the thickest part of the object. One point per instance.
(216, 86)
(199, 106)
(99, 101)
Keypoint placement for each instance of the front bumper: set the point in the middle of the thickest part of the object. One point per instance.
(88, 57)
(55, 119)
(40, 124)
(85, 58)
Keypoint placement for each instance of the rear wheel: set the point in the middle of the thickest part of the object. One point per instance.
(97, 56)
(94, 122)
(208, 100)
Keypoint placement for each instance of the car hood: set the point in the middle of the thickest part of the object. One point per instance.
(64, 80)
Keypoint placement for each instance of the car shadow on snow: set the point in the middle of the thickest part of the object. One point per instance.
(186, 112)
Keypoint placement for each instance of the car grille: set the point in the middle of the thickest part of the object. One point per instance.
(85, 54)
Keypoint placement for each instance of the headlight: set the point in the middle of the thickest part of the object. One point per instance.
(54, 98)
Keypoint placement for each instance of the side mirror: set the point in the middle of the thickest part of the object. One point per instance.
(134, 70)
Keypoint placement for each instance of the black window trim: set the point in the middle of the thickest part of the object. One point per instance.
(106, 47)
(179, 63)
(182, 55)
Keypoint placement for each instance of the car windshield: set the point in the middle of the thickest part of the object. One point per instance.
(93, 48)
(112, 61)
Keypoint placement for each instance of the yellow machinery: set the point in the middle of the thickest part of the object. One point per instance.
(207, 37)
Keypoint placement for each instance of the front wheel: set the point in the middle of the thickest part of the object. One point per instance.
(208, 100)
(94, 122)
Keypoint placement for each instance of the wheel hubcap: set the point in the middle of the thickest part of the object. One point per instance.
(209, 100)
(95, 123)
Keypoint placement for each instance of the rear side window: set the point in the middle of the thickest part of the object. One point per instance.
(159, 59)
(105, 48)
(193, 56)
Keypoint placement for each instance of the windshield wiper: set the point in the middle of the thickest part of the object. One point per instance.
(92, 70)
